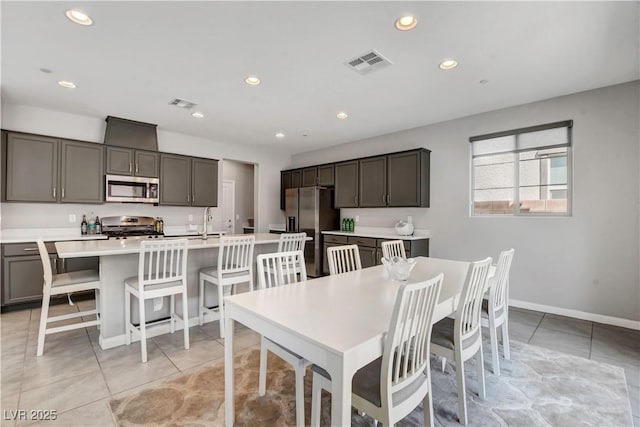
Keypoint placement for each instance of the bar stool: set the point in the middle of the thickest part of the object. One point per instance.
(162, 271)
(66, 283)
(235, 265)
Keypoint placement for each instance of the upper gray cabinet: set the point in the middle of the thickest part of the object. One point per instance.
(346, 184)
(296, 178)
(175, 180)
(44, 169)
(31, 168)
(408, 179)
(81, 172)
(186, 181)
(373, 182)
(317, 175)
(285, 183)
(127, 161)
(204, 182)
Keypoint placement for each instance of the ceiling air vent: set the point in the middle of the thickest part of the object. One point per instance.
(182, 103)
(368, 62)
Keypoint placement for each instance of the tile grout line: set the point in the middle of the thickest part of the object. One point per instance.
(536, 329)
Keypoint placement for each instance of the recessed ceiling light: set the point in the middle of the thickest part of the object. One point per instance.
(448, 64)
(406, 23)
(78, 17)
(279, 135)
(197, 114)
(342, 115)
(252, 80)
(67, 84)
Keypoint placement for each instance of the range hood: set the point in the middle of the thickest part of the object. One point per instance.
(131, 134)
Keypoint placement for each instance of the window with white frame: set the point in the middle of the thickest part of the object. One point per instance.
(523, 171)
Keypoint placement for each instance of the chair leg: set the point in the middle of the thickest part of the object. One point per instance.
(505, 338)
(462, 395)
(427, 409)
(482, 391)
(221, 307)
(262, 381)
(316, 400)
(127, 317)
(493, 335)
(299, 370)
(201, 302)
(42, 330)
(172, 320)
(185, 317)
(143, 330)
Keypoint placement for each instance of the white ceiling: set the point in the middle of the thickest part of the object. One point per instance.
(139, 55)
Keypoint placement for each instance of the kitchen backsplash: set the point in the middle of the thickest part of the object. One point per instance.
(386, 217)
(44, 215)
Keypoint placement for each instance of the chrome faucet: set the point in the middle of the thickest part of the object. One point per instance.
(206, 219)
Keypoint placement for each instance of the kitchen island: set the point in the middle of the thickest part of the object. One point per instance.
(119, 260)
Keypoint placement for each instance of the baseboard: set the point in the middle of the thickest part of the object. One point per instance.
(599, 318)
(160, 328)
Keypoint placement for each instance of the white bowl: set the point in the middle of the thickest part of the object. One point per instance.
(404, 228)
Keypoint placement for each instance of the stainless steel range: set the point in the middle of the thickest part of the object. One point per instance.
(130, 227)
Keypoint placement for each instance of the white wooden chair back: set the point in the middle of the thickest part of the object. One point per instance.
(407, 347)
(281, 268)
(291, 242)
(393, 248)
(162, 261)
(343, 259)
(467, 323)
(46, 263)
(499, 291)
(236, 254)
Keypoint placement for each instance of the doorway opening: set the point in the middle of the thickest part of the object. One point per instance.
(238, 197)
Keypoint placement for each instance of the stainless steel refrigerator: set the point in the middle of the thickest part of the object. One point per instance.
(310, 209)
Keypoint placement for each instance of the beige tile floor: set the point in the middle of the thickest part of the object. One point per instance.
(76, 378)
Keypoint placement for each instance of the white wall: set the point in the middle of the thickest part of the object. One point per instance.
(587, 262)
(242, 175)
(268, 162)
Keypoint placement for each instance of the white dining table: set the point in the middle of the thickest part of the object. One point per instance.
(337, 322)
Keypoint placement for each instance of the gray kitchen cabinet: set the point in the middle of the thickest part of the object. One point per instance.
(346, 184)
(175, 180)
(81, 173)
(412, 248)
(373, 182)
(329, 241)
(204, 182)
(296, 178)
(317, 175)
(367, 248)
(31, 168)
(127, 161)
(285, 183)
(408, 179)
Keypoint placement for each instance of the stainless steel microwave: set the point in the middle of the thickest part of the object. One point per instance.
(137, 189)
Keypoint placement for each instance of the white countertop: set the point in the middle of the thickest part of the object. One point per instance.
(87, 248)
(382, 233)
(27, 235)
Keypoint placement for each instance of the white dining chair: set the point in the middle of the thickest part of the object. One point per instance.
(392, 386)
(162, 271)
(461, 339)
(289, 242)
(343, 259)
(495, 310)
(60, 284)
(393, 248)
(235, 266)
(278, 269)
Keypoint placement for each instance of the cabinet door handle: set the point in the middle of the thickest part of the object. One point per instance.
(55, 264)
(187, 198)
(63, 192)
(388, 198)
(54, 192)
(384, 199)
(129, 167)
(30, 249)
(355, 199)
(193, 198)
(136, 167)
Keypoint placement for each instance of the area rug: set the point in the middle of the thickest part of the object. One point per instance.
(538, 387)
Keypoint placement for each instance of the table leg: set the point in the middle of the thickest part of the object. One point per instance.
(229, 405)
(340, 397)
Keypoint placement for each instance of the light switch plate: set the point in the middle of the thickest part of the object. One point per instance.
(72, 217)
(190, 218)
(357, 218)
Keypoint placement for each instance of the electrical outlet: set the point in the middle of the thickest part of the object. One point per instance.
(72, 217)
(190, 217)
(357, 218)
